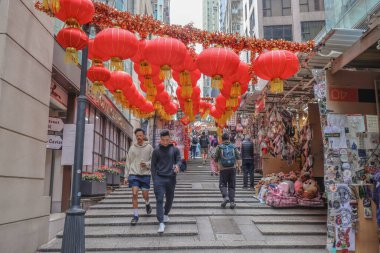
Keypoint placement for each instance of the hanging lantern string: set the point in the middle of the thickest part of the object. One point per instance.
(107, 17)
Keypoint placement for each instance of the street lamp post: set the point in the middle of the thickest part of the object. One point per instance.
(73, 234)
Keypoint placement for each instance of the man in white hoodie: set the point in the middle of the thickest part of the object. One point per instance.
(138, 172)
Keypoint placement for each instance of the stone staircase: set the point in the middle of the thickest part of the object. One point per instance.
(199, 224)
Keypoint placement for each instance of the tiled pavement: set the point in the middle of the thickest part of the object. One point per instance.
(199, 224)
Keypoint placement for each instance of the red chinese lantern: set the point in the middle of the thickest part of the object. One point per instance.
(185, 68)
(171, 108)
(215, 113)
(75, 12)
(239, 79)
(119, 83)
(163, 98)
(276, 66)
(166, 53)
(144, 67)
(98, 75)
(117, 44)
(94, 55)
(72, 39)
(218, 63)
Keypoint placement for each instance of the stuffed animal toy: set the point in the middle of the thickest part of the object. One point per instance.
(310, 189)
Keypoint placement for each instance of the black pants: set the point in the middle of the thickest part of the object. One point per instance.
(164, 186)
(248, 171)
(193, 151)
(227, 182)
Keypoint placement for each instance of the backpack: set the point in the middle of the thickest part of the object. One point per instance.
(194, 140)
(227, 155)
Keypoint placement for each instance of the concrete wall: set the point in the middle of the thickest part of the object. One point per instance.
(26, 50)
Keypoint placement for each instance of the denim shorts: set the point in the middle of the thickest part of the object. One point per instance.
(142, 182)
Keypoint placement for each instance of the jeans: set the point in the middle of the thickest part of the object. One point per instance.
(164, 186)
(193, 151)
(247, 165)
(227, 182)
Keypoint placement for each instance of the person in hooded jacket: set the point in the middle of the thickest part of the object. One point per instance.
(138, 164)
(165, 165)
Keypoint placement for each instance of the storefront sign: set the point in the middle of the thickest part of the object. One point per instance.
(54, 142)
(343, 94)
(58, 94)
(68, 145)
(55, 124)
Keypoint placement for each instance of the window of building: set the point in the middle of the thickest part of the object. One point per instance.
(267, 8)
(278, 32)
(286, 7)
(252, 23)
(311, 5)
(310, 29)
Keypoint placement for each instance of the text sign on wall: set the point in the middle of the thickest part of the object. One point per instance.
(343, 94)
(54, 142)
(55, 124)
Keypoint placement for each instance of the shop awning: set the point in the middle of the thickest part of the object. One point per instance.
(332, 45)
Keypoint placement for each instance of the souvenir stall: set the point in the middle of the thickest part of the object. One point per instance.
(286, 142)
(351, 160)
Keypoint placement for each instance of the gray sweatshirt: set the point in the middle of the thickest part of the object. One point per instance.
(136, 155)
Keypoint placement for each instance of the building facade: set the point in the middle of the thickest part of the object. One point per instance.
(293, 20)
(161, 10)
(231, 16)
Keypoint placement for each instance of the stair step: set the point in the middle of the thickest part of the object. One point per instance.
(181, 206)
(152, 220)
(290, 220)
(177, 200)
(139, 231)
(278, 229)
(214, 212)
(125, 245)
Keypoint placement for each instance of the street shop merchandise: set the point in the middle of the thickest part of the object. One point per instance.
(351, 162)
(289, 190)
(276, 132)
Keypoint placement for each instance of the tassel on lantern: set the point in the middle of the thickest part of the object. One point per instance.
(71, 55)
(165, 72)
(187, 91)
(217, 82)
(235, 90)
(157, 106)
(148, 82)
(119, 97)
(151, 98)
(184, 78)
(145, 68)
(116, 64)
(98, 88)
(276, 86)
(189, 107)
(232, 102)
(152, 90)
(192, 118)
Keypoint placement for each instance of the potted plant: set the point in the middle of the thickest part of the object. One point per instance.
(93, 184)
(112, 174)
(120, 165)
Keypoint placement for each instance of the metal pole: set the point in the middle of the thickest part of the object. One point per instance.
(52, 178)
(73, 234)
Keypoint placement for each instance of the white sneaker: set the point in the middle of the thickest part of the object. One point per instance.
(166, 218)
(161, 228)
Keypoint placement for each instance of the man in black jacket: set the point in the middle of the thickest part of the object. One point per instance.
(247, 158)
(166, 161)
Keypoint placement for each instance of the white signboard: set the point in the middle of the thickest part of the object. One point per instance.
(55, 124)
(54, 142)
(372, 123)
(68, 145)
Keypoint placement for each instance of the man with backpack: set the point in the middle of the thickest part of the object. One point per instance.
(205, 143)
(228, 160)
(193, 147)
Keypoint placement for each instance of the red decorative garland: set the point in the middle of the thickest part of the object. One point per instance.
(106, 16)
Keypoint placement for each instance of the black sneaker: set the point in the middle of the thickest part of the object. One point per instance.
(148, 209)
(232, 205)
(134, 220)
(224, 203)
